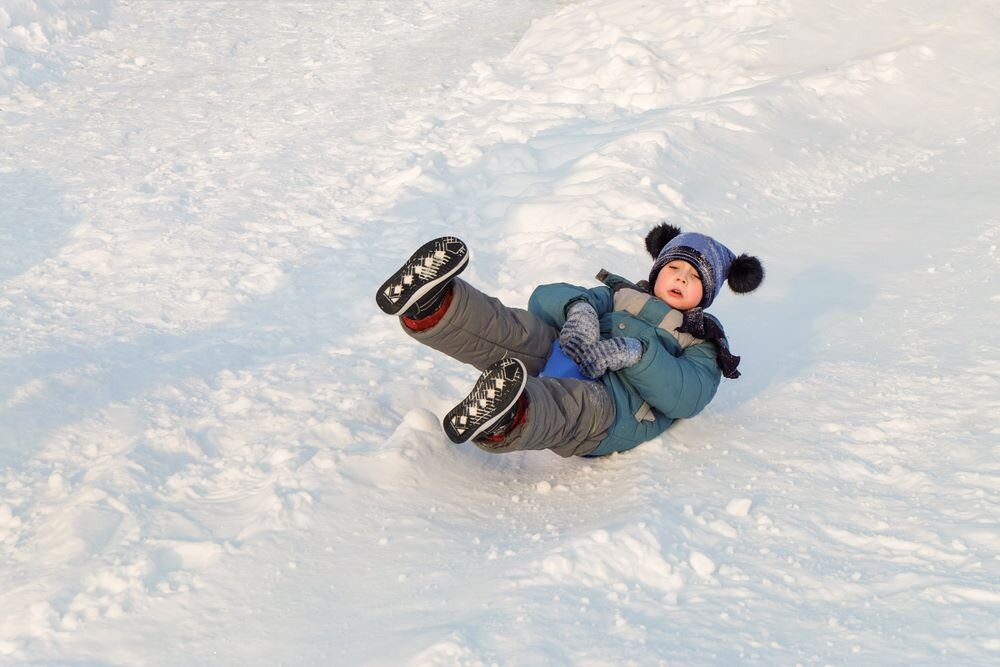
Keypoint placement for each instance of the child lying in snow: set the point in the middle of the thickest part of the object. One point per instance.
(655, 354)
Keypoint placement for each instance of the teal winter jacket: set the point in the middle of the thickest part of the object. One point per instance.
(676, 377)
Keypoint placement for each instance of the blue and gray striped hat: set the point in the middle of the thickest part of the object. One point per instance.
(715, 263)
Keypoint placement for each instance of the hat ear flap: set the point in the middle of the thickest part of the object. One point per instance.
(660, 236)
(745, 274)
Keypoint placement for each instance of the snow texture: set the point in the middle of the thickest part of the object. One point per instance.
(215, 450)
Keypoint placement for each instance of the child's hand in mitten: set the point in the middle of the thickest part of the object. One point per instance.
(580, 331)
(612, 354)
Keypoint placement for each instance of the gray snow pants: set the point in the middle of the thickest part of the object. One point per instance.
(568, 416)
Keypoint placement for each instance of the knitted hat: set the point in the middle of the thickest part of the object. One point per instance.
(714, 262)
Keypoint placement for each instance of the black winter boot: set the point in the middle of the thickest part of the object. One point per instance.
(491, 406)
(421, 284)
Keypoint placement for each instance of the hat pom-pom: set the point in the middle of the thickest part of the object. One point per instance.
(745, 274)
(660, 236)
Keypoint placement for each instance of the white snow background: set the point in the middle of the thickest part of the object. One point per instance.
(215, 450)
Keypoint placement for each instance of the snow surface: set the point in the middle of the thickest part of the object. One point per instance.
(214, 450)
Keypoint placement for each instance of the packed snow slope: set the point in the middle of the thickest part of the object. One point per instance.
(215, 450)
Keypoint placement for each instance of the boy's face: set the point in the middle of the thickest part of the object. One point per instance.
(679, 284)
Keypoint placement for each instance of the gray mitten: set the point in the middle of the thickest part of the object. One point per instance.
(611, 354)
(580, 331)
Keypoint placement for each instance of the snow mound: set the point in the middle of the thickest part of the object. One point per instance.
(631, 556)
(30, 29)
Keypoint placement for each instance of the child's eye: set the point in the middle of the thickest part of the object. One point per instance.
(696, 276)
